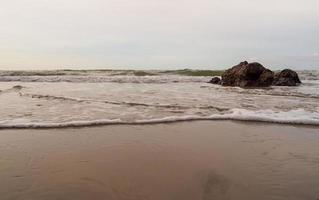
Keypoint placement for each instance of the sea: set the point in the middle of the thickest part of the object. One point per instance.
(77, 98)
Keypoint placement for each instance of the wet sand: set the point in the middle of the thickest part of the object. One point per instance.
(201, 160)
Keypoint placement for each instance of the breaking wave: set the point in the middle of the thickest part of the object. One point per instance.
(296, 117)
(122, 76)
(80, 99)
(105, 79)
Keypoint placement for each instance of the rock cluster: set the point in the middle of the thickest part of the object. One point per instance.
(255, 75)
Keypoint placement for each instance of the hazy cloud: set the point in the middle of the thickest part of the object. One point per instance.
(158, 34)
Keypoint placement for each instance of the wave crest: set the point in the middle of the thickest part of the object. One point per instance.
(297, 117)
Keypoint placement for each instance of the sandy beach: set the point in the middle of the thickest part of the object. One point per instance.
(189, 160)
(159, 100)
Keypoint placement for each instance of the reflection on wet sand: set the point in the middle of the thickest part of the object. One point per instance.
(216, 187)
(196, 160)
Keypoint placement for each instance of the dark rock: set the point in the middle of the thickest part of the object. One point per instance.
(215, 80)
(17, 87)
(248, 75)
(286, 77)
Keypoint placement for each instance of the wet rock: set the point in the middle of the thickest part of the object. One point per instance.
(17, 87)
(286, 77)
(216, 80)
(248, 75)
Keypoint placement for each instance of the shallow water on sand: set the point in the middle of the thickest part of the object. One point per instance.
(63, 104)
(51, 99)
(189, 160)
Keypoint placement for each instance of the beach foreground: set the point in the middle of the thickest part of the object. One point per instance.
(189, 160)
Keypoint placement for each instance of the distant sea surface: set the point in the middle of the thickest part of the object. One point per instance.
(67, 98)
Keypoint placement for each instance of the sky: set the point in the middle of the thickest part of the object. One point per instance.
(158, 34)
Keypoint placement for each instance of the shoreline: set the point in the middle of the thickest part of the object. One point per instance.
(92, 124)
(141, 101)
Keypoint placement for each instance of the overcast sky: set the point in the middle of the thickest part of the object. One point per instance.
(165, 34)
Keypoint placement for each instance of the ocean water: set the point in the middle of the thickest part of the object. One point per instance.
(51, 99)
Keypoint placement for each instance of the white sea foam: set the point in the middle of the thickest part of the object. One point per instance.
(54, 101)
(298, 117)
